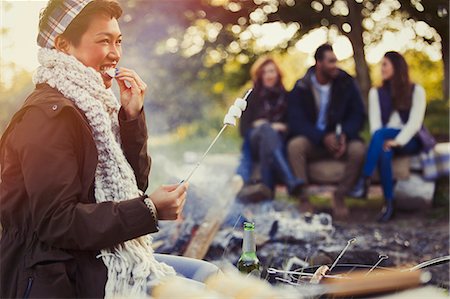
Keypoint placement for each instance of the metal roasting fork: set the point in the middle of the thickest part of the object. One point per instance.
(349, 242)
(212, 144)
(381, 257)
(277, 271)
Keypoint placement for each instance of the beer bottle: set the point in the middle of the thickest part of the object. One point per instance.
(248, 262)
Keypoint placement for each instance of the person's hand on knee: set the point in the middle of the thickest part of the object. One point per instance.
(342, 147)
(331, 143)
(389, 144)
(169, 200)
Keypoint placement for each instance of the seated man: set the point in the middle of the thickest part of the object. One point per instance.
(325, 116)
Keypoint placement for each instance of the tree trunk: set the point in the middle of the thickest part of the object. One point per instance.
(356, 39)
(445, 60)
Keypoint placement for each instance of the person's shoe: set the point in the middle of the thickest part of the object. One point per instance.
(340, 210)
(293, 184)
(255, 193)
(388, 212)
(361, 188)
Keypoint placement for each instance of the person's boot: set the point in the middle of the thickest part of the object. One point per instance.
(293, 184)
(253, 193)
(361, 188)
(388, 211)
(340, 210)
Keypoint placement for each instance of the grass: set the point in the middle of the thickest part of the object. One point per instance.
(322, 201)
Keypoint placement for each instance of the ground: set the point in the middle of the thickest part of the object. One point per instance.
(409, 239)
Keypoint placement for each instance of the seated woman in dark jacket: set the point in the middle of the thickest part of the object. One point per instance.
(264, 130)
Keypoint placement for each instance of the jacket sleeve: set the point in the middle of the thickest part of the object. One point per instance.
(355, 115)
(53, 185)
(134, 138)
(298, 123)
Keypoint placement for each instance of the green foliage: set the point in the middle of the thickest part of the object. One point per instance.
(437, 119)
(184, 53)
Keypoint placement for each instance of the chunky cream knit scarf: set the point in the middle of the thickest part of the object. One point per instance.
(131, 265)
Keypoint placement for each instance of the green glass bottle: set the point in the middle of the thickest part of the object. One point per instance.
(248, 262)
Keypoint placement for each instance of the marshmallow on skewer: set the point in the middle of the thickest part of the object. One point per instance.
(229, 120)
(241, 104)
(235, 111)
(112, 74)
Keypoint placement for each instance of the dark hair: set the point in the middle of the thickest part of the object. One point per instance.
(81, 22)
(257, 71)
(320, 52)
(400, 84)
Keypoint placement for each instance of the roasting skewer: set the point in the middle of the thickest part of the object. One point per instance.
(305, 274)
(351, 241)
(433, 262)
(381, 257)
(205, 154)
(234, 112)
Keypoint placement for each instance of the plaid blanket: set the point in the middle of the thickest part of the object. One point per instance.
(436, 162)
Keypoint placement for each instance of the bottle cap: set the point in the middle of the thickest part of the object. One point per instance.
(249, 226)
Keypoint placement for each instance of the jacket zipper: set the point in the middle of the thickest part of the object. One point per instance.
(28, 289)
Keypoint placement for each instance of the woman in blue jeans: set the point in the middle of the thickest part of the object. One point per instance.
(396, 113)
(264, 130)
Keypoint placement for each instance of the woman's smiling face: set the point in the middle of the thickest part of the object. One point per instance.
(100, 46)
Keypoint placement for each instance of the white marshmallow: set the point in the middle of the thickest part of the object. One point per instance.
(111, 72)
(229, 120)
(240, 103)
(235, 111)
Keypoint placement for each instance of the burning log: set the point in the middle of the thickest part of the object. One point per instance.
(378, 281)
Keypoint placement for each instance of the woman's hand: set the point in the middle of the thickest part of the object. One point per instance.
(131, 99)
(259, 122)
(279, 127)
(389, 144)
(169, 200)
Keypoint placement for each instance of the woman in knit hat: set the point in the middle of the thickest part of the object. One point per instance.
(74, 169)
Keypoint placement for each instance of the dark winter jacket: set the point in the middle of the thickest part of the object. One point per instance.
(345, 107)
(53, 229)
(265, 104)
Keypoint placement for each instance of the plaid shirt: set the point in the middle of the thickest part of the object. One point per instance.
(59, 20)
